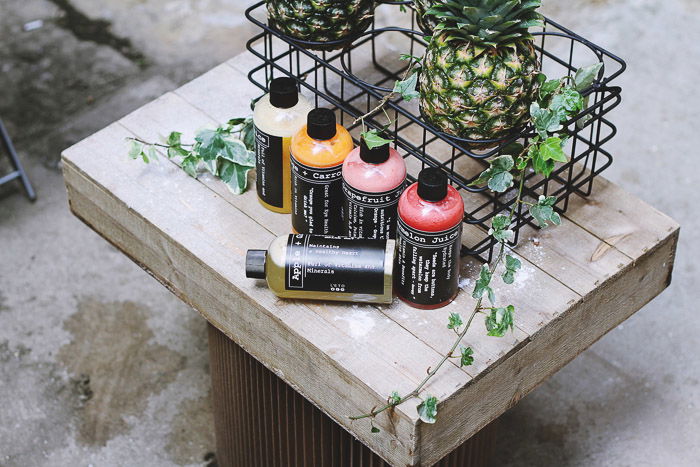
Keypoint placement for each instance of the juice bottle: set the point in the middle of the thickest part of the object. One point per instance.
(373, 180)
(325, 268)
(318, 152)
(428, 241)
(278, 116)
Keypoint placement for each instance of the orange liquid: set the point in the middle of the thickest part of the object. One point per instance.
(315, 153)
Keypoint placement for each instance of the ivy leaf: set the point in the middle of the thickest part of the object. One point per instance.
(394, 398)
(586, 76)
(374, 429)
(454, 321)
(566, 103)
(152, 155)
(499, 229)
(513, 264)
(234, 150)
(499, 321)
(548, 88)
(407, 88)
(174, 139)
(236, 121)
(466, 358)
(482, 285)
(235, 176)
(541, 166)
(427, 409)
(135, 149)
(373, 140)
(189, 165)
(248, 134)
(543, 212)
(497, 176)
(545, 120)
(551, 149)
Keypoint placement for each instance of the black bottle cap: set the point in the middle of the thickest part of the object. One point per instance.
(284, 93)
(375, 155)
(255, 264)
(321, 124)
(432, 184)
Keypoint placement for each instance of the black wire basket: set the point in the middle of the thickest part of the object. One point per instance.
(330, 78)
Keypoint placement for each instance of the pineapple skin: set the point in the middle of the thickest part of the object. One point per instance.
(478, 93)
(320, 20)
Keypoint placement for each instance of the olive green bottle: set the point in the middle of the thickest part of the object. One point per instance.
(326, 268)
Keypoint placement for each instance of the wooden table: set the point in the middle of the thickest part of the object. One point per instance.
(612, 254)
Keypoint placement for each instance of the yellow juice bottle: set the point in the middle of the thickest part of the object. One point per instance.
(278, 116)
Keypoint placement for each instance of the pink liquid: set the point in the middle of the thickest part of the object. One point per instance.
(374, 178)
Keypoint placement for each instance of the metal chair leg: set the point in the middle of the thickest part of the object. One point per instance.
(16, 164)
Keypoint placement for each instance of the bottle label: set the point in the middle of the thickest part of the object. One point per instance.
(427, 264)
(335, 264)
(269, 154)
(370, 215)
(317, 199)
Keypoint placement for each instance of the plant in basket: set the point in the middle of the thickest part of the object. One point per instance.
(321, 21)
(479, 72)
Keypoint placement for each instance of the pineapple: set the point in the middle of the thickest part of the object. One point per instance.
(320, 20)
(479, 73)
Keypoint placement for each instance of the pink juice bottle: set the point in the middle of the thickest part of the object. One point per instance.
(373, 180)
(428, 241)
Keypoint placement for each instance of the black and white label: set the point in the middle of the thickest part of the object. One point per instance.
(334, 264)
(370, 215)
(269, 154)
(317, 199)
(427, 264)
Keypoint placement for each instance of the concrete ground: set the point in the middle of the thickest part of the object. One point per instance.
(100, 365)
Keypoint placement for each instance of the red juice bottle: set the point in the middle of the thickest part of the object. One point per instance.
(428, 241)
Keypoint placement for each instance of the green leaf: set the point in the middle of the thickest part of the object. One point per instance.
(177, 151)
(234, 150)
(566, 103)
(548, 88)
(499, 229)
(374, 429)
(189, 165)
(454, 321)
(482, 285)
(407, 87)
(152, 155)
(543, 212)
(174, 139)
(135, 149)
(394, 398)
(248, 134)
(373, 139)
(235, 176)
(552, 149)
(541, 166)
(586, 76)
(466, 357)
(499, 321)
(144, 157)
(236, 121)
(513, 264)
(427, 409)
(497, 176)
(545, 120)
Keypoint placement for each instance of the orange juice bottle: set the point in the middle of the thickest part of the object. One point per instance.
(318, 151)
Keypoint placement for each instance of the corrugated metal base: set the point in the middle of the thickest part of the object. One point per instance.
(262, 421)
